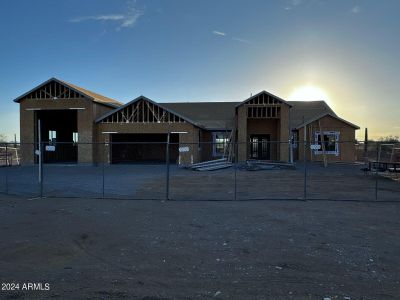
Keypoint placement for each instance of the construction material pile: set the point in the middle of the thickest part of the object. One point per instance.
(212, 165)
(258, 165)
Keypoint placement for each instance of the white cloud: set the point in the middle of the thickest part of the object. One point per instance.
(98, 18)
(355, 10)
(128, 19)
(220, 33)
(241, 40)
(292, 4)
(216, 32)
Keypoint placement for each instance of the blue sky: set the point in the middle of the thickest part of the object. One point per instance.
(206, 51)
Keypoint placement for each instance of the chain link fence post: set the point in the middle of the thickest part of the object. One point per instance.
(376, 171)
(305, 168)
(235, 166)
(103, 167)
(167, 166)
(41, 177)
(7, 168)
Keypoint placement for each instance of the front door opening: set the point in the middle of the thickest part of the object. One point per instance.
(260, 146)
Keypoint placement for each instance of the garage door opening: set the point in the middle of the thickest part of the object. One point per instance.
(137, 148)
(59, 129)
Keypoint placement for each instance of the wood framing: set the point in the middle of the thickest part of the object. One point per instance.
(260, 112)
(53, 90)
(263, 121)
(142, 110)
(266, 116)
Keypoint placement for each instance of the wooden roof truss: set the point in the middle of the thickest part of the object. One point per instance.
(142, 111)
(263, 106)
(53, 90)
(263, 99)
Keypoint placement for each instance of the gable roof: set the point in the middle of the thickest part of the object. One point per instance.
(151, 101)
(208, 115)
(324, 115)
(88, 94)
(211, 115)
(96, 97)
(265, 93)
(303, 111)
(221, 115)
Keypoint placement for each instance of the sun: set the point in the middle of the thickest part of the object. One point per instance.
(308, 93)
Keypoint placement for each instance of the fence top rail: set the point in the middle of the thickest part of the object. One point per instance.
(188, 143)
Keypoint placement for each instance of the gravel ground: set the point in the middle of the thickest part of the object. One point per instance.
(113, 249)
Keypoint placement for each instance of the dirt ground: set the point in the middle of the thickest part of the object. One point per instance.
(113, 249)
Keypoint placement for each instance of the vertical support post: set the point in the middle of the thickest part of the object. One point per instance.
(290, 140)
(305, 162)
(376, 170)
(40, 158)
(291, 148)
(7, 168)
(366, 145)
(236, 163)
(41, 168)
(321, 135)
(39, 150)
(167, 164)
(104, 161)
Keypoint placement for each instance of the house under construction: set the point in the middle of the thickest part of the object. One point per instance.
(265, 127)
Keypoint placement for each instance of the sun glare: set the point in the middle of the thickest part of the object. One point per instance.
(308, 93)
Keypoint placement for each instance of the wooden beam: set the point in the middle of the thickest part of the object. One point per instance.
(321, 134)
(152, 111)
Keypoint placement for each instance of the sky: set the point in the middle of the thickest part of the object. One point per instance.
(346, 52)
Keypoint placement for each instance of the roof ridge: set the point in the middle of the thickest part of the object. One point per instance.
(184, 102)
(85, 92)
(95, 95)
(306, 101)
(327, 114)
(141, 97)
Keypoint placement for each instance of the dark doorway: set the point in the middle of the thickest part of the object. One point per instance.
(59, 130)
(260, 146)
(150, 148)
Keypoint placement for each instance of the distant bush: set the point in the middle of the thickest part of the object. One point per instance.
(390, 139)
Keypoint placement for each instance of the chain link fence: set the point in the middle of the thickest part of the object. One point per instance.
(203, 171)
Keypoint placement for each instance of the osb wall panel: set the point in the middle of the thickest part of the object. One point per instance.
(346, 140)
